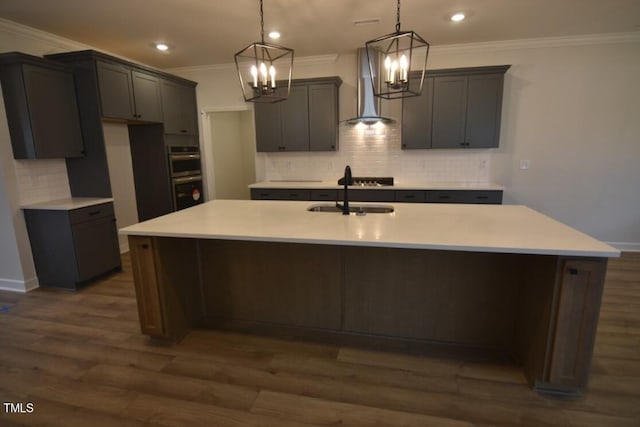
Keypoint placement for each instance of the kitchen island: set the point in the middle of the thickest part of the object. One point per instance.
(474, 281)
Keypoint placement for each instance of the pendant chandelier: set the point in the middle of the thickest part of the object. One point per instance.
(397, 63)
(259, 66)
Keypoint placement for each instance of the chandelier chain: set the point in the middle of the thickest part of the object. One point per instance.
(262, 23)
(397, 17)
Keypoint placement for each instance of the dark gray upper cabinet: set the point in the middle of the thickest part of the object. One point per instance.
(323, 117)
(417, 112)
(484, 107)
(449, 111)
(41, 107)
(295, 120)
(268, 118)
(179, 108)
(94, 72)
(458, 108)
(128, 94)
(306, 121)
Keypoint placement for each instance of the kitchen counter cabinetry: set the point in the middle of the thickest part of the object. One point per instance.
(511, 285)
(357, 194)
(306, 121)
(179, 109)
(72, 245)
(41, 107)
(458, 108)
(128, 94)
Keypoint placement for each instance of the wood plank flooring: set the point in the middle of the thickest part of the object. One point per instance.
(81, 360)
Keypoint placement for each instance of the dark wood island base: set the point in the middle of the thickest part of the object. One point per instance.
(540, 311)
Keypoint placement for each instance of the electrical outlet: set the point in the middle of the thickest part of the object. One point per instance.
(525, 164)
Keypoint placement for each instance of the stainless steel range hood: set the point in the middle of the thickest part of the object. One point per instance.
(368, 104)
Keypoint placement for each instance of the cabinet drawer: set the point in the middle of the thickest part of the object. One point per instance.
(279, 194)
(493, 197)
(318, 195)
(410, 196)
(91, 213)
(464, 196)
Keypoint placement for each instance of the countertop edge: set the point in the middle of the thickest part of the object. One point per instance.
(396, 245)
(67, 204)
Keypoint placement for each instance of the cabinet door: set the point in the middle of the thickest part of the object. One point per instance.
(146, 96)
(116, 91)
(295, 120)
(148, 293)
(417, 118)
(96, 247)
(484, 104)
(268, 119)
(449, 110)
(580, 293)
(179, 109)
(323, 117)
(53, 111)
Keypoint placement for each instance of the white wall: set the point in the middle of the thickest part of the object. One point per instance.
(116, 139)
(571, 107)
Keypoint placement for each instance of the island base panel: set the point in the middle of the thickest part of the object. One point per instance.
(540, 310)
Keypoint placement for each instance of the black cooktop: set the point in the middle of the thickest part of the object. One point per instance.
(369, 181)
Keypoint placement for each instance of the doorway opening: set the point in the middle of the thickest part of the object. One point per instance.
(230, 154)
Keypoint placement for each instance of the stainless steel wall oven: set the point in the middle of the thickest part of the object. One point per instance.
(186, 177)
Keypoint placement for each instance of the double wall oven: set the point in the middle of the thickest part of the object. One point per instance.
(186, 176)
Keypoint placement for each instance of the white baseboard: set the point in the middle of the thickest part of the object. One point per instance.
(19, 285)
(626, 246)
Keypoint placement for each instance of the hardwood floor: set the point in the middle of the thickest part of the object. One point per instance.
(81, 360)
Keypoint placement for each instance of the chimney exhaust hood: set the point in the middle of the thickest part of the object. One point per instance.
(368, 103)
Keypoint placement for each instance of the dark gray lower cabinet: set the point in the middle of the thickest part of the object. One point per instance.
(71, 247)
(280, 194)
(382, 195)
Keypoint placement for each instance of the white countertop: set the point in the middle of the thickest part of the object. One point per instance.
(67, 204)
(477, 228)
(397, 185)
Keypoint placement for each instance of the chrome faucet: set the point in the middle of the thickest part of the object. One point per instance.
(347, 182)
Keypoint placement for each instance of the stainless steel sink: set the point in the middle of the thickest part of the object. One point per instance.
(354, 209)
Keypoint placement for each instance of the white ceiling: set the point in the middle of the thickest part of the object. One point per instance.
(203, 32)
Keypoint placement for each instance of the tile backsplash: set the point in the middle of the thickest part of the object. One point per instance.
(375, 151)
(41, 180)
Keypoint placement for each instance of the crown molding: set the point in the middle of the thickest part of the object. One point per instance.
(305, 60)
(56, 42)
(543, 42)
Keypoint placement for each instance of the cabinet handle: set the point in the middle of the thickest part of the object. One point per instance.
(573, 271)
(482, 197)
(94, 213)
(145, 246)
(183, 130)
(410, 196)
(444, 197)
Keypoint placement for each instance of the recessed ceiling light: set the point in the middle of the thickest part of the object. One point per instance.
(457, 17)
(274, 35)
(162, 47)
